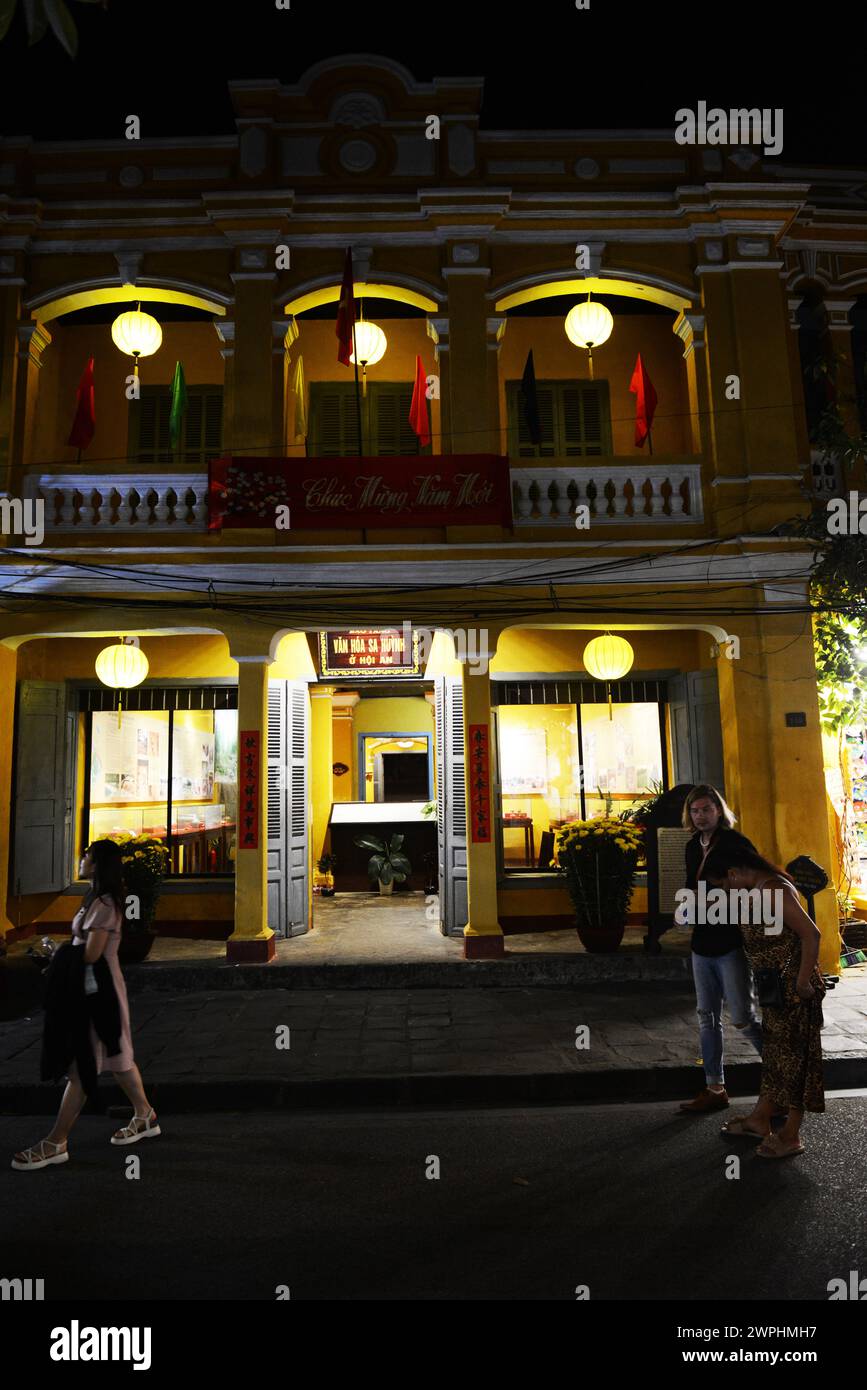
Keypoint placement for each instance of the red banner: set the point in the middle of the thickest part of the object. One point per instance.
(359, 493)
(478, 752)
(249, 775)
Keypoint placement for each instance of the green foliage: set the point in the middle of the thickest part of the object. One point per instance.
(841, 672)
(599, 858)
(40, 15)
(386, 864)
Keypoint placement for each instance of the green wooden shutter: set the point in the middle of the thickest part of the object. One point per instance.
(390, 430)
(202, 433)
(149, 426)
(519, 430)
(384, 419)
(584, 419)
(333, 421)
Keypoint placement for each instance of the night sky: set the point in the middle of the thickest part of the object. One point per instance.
(546, 65)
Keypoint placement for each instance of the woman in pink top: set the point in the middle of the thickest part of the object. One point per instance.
(96, 928)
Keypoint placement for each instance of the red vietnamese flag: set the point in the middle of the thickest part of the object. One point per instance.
(418, 410)
(645, 401)
(84, 424)
(346, 314)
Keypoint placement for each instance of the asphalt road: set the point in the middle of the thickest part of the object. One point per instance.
(630, 1200)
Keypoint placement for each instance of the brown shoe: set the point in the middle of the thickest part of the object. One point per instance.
(705, 1101)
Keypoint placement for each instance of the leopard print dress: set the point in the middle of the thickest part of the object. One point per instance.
(792, 1043)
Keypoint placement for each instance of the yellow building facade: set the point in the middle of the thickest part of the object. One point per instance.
(468, 248)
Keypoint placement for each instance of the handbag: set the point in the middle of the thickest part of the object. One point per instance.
(769, 987)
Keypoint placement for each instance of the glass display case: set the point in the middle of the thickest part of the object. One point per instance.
(116, 820)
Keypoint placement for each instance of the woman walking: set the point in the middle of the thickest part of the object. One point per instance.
(96, 928)
(792, 1047)
(720, 968)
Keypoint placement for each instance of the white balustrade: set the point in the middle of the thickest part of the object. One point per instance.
(86, 502)
(621, 492)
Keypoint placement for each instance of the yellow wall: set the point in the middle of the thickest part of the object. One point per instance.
(343, 747)
(408, 714)
(557, 650)
(185, 657)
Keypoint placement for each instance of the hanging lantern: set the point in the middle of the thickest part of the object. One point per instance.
(122, 666)
(369, 346)
(589, 325)
(137, 334)
(607, 659)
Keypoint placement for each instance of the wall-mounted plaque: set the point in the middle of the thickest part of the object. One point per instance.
(370, 652)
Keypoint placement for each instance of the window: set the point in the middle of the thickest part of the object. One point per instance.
(201, 432)
(385, 427)
(170, 773)
(575, 419)
(558, 762)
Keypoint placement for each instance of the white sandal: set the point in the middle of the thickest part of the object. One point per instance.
(139, 1127)
(42, 1159)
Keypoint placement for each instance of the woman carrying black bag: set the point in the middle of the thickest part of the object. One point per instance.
(96, 930)
(790, 994)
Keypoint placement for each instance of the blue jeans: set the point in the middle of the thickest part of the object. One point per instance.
(719, 978)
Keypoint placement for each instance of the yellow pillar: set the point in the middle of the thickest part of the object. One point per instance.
(774, 768)
(252, 939)
(321, 762)
(252, 426)
(483, 935)
(8, 670)
(9, 312)
(471, 406)
(754, 434)
(33, 339)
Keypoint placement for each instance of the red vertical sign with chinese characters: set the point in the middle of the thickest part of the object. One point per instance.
(250, 771)
(478, 753)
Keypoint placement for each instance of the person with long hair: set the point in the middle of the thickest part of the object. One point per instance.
(96, 928)
(792, 1044)
(720, 968)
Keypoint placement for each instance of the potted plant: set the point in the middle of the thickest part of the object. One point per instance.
(599, 858)
(386, 864)
(326, 866)
(145, 865)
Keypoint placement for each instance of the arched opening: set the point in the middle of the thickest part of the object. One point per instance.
(584, 409)
(135, 433)
(326, 417)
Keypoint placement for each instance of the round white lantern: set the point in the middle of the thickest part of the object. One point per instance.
(136, 334)
(120, 667)
(608, 658)
(589, 325)
(370, 343)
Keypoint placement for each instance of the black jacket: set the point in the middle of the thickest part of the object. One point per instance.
(69, 1013)
(713, 940)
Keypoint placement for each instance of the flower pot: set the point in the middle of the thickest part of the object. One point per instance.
(386, 889)
(601, 940)
(135, 946)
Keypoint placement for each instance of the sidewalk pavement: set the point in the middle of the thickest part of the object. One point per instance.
(214, 1049)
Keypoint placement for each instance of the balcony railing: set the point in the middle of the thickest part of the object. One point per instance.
(617, 491)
